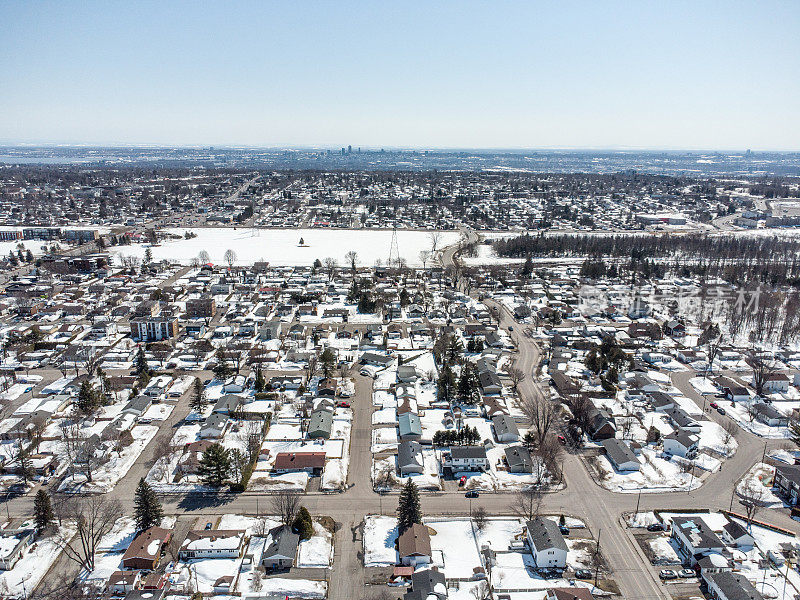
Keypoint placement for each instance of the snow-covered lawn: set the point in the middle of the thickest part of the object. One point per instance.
(317, 551)
(739, 412)
(106, 476)
(663, 551)
(654, 475)
(281, 246)
(36, 561)
(757, 484)
(380, 535)
(281, 587)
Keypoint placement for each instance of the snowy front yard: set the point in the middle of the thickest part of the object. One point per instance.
(106, 476)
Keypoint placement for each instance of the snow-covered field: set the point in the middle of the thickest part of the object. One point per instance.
(281, 246)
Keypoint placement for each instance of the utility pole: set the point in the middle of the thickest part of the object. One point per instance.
(597, 558)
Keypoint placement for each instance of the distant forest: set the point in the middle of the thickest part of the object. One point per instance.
(771, 261)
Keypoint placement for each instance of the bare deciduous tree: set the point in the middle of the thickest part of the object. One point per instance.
(230, 257)
(763, 368)
(352, 259)
(541, 414)
(527, 503)
(330, 266)
(285, 504)
(94, 516)
(479, 518)
(424, 257)
(752, 496)
(516, 376)
(729, 431)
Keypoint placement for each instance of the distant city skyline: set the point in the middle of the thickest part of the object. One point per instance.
(450, 76)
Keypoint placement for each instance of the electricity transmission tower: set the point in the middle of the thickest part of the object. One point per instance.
(394, 250)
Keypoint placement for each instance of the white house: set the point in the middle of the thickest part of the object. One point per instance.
(466, 458)
(213, 543)
(776, 382)
(695, 538)
(546, 543)
(680, 443)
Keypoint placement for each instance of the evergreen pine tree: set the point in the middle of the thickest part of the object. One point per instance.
(408, 507)
(43, 513)
(142, 370)
(147, 506)
(445, 386)
(302, 524)
(88, 399)
(198, 402)
(215, 465)
(222, 369)
(260, 383)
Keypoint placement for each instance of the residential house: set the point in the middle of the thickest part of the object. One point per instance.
(505, 429)
(414, 546)
(466, 458)
(12, 545)
(546, 543)
(427, 584)
(120, 583)
(409, 426)
(214, 426)
(734, 390)
(144, 552)
(291, 462)
(787, 482)
(620, 455)
(213, 543)
(735, 534)
(680, 443)
(518, 459)
(769, 415)
(281, 551)
(731, 586)
(409, 458)
(320, 424)
(695, 538)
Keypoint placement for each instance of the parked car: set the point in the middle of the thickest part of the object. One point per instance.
(342, 404)
(713, 405)
(687, 573)
(472, 494)
(462, 480)
(562, 440)
(563, 529)
(656, 527)
(666, 574)
(209, 525)
(720, 410)
(583, 574)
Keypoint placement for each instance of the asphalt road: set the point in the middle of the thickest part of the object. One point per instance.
(582, 497)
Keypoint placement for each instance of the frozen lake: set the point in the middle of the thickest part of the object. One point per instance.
(281, 246)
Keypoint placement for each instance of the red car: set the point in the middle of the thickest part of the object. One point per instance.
(462, 481)
(343, 404)
(713, 405)
(562, 440)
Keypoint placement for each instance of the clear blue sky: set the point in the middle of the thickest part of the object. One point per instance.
(663, 74)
